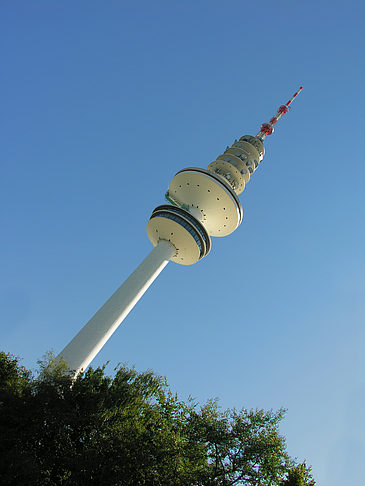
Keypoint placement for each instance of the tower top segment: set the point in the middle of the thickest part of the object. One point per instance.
(268, 128)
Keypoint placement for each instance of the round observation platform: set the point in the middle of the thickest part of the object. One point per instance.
(209, 195)
(186, 233)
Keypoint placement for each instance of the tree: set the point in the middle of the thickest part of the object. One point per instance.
(129, 430)
(299, 475)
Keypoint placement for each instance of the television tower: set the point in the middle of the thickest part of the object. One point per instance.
(203, 203)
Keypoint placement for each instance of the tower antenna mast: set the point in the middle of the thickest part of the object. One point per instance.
(268, 128)
(203, 203)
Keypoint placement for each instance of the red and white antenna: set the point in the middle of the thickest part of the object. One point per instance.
(268, 128)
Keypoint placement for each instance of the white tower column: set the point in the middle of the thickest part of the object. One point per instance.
(203, 203)
(83, 348)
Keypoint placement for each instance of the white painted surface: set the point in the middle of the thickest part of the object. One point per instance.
(88, 342)
(187, 250)
(196, 189)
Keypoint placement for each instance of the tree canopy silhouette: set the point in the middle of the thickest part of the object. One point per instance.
(130, 429)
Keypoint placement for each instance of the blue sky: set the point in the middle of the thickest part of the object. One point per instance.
(102, 103)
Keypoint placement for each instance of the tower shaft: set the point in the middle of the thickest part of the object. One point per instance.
(203, 203)
(83, 348)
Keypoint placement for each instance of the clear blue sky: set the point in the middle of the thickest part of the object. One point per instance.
(102, 103)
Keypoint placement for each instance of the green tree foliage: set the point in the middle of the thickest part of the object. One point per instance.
(130, 430)
(299, 475)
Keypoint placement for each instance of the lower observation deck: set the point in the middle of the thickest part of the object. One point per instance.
(184, 231)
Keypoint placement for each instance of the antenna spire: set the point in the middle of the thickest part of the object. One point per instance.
(268, 128)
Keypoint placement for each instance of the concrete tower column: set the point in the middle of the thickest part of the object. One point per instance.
(202, 203)
(83, 348)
